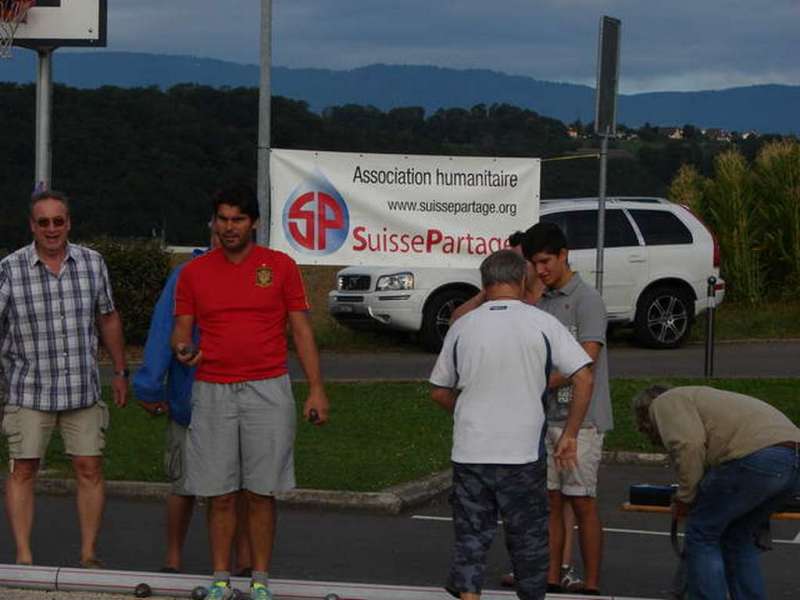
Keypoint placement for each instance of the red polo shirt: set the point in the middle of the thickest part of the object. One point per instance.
(241, 312)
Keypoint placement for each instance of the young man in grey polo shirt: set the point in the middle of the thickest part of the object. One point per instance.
(580, 308)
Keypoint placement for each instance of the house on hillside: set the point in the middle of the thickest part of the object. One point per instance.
(627, 135)
(673, 133)
(717, 135)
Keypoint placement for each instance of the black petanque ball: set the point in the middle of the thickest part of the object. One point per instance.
(199, 593)
(142, 591)
(332, 597)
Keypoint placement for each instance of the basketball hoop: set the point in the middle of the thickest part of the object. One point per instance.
(12, 14)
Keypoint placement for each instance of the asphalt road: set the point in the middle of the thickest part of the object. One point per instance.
(757, 359)
(741, 359)
(408, 549)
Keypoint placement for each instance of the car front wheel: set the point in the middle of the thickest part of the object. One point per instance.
(664, 317)
(436, 319)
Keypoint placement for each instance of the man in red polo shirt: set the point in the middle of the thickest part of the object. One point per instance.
(241, 434)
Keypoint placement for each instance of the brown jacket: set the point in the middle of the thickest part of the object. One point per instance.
(702, 427)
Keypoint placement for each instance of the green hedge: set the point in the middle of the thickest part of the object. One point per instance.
(138, 270)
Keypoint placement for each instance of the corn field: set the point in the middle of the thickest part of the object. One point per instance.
(754, 210)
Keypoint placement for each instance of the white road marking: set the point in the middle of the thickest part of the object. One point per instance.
(430, 518)
(796, 539)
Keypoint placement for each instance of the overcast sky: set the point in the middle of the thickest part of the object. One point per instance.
(666, 45)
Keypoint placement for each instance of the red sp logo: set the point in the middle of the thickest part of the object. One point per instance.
(317, 222)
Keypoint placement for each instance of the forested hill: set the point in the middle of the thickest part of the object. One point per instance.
(137, 161)
(765, 108)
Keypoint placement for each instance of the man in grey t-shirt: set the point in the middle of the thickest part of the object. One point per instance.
(492, 373)
(580, 308)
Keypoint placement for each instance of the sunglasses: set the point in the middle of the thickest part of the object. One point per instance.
(45, 222)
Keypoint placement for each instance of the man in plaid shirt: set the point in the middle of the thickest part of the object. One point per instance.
(54, 299)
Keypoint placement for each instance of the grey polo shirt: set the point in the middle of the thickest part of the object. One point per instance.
(582, 311)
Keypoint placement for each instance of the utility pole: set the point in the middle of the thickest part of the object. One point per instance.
(265, 123)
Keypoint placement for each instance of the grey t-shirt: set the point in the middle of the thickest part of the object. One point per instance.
(582, 311)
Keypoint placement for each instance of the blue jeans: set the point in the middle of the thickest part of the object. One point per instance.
(733, 499)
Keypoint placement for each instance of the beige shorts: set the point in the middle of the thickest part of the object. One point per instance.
(28, 431)
(582, 480)
(174, 458)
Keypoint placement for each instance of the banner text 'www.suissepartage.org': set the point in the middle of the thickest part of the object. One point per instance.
(451, 207)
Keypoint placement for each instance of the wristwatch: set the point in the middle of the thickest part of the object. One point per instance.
(123, 373)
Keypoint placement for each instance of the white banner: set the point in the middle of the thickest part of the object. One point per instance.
(338, 208)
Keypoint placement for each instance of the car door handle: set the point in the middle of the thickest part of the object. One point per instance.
(636, 259)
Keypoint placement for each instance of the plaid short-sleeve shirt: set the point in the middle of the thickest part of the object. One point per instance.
(48, 324)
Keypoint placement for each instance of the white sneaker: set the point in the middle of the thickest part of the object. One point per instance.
(570, 580)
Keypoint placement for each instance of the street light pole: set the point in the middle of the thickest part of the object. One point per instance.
(44, 112)
(265, 123)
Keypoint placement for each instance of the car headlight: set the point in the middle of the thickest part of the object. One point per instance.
(398, 281)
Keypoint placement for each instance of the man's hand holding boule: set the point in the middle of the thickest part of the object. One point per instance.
(188, 354)
(155, 408)
(317, 401)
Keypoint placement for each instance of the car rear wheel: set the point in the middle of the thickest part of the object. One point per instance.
(436, 319)
(664, 317)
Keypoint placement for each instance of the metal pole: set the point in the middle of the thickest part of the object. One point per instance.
(265, 122)
(712, 292)
(601, 212)
(44, 104)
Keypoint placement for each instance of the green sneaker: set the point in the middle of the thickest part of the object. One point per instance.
(258, 591)
(219, 590)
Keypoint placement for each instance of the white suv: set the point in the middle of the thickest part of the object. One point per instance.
(658, 257)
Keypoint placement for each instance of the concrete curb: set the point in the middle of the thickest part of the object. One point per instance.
(791, 340)
(391, 501)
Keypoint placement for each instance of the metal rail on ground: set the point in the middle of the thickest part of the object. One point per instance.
(181, 586)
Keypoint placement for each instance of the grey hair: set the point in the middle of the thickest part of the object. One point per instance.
(641, 409)
(503, 266)
(49, 195)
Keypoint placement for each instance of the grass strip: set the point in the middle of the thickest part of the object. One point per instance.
(380, 434)
(737, 321)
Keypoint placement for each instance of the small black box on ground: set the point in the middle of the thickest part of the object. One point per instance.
(792, 505)
(652, 495)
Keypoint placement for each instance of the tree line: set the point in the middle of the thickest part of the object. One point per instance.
(142, 162)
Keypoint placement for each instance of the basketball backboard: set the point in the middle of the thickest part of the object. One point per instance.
(52, 23)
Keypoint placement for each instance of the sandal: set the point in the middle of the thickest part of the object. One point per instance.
(92, 563)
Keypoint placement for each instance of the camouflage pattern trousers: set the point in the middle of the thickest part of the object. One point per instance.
(518, 494)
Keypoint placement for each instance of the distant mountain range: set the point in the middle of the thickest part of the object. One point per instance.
(763, 108)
